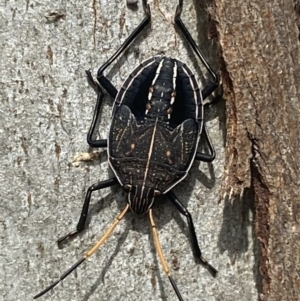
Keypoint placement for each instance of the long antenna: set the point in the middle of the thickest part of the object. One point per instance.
(87, 254)
(161, 255)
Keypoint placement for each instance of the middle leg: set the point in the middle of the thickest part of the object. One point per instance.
(206, 157)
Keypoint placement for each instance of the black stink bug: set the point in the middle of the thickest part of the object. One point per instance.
(156, 126)
(153, 139)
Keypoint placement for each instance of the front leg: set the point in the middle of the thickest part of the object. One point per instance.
(105, 82)
(112, 91)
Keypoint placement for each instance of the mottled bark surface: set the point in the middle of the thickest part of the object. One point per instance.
(260, 51)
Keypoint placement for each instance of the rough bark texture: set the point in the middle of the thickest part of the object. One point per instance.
(259, 43)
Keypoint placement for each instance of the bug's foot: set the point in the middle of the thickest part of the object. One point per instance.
(210, 268)
(63, 238)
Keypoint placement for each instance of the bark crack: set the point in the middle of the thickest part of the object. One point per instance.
(262, 217)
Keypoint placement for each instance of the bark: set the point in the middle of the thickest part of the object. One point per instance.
(259, 43)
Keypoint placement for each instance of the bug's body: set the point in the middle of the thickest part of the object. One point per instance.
(157, 121)
(153, 139)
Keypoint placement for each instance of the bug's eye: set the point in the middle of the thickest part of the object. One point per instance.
(127, 188)
(157, 193)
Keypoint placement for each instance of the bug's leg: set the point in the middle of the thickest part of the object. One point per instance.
(90, 136)
(100, 77)
(206, 157)
(196, 250)
(86, 255)
(161, 255)
(215, 81)
(85, 207)
(103, 81)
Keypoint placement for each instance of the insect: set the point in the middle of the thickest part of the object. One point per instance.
(153, 140)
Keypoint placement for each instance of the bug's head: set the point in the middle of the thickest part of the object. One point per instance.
(140, 198)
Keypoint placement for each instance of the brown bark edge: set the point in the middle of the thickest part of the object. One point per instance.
(259, 43)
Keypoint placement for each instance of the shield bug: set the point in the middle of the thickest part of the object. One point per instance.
(153, 140)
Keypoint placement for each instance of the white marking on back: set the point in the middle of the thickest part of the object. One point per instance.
(194, 89)
(149, 156)
(155, 78)
(157, 72)
(174, 83)
(161, 96)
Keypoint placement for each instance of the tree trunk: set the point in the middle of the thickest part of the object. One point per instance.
(259, 43)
